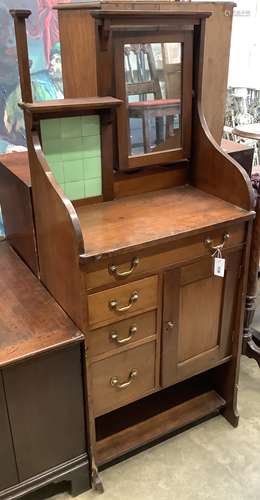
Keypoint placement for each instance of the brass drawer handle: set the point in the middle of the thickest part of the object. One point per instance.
(115, 382)
(217, 248)
(113, 269)
(113, 304)
(132, 331)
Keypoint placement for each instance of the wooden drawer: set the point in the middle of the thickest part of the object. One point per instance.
(108, 374)
(99, 274)
(110, 339)
(123, 301)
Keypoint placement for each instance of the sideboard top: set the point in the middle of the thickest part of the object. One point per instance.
(135, 5)
(31, 321)
(157, 217)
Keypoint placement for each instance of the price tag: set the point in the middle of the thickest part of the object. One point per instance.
(219, 267)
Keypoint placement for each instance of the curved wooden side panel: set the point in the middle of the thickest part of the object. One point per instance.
(59, 236)
(214, 171)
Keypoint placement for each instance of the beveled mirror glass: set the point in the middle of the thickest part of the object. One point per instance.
(153, 79)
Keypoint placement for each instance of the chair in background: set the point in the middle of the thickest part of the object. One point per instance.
(143, 80)
(173, 84)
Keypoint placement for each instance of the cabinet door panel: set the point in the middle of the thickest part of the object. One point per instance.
(198, 317)
(45, 403)
(8, 473)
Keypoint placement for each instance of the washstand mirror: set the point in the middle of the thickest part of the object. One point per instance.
(153, 89)
(154, 78)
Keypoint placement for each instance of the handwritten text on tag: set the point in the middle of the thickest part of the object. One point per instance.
(219, 267)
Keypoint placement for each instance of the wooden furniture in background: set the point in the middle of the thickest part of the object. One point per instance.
(80, 69)
(143, 81)
(242, 153)
(157, 109)
(163, 333)
(17, 208)
(140, 84)
(251, 339)
(42, 414)
(250, 131)
(251, 348)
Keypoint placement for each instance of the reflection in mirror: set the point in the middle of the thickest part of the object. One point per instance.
(153, 88)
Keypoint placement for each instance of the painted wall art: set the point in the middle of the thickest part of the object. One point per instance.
(45, 65)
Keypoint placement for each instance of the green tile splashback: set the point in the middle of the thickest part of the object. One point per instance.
(72, 149)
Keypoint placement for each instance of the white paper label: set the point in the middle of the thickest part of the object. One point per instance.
(219, 267)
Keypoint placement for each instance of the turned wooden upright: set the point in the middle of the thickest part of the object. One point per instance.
(251, 340)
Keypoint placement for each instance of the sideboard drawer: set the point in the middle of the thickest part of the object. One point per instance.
(121, 268)
(113, 337)
(123, 301)
(122, 378)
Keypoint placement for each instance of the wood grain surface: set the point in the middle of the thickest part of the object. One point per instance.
(30, 320)
(17, 207)
(63, 105)
(100, 342)
(100, 313)
(18, 164)
(157, 426)
(161, 215)
(106, 397)
(151, 259)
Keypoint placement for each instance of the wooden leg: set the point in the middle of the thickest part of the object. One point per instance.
(146, 133)
(97, 484)
(159, 130)
(226, 376)
(256, 336)
(251, 341)
(252, 350)
(79, 482)
(231, 415)
(230, 412)
(169, 127)
(249, 316)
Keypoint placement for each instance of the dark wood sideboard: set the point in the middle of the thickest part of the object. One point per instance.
(42, 413)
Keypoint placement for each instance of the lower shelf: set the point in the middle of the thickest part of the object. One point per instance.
(157, 426)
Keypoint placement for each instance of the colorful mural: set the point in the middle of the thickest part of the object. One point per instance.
(45, 65)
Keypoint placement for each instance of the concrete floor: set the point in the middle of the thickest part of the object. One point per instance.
(212, 461)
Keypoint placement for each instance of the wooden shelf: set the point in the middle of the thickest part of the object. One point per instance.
(158, 426)
(64, 106)
(160, 216)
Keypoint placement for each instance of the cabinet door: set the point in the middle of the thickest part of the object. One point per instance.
(45, 404)
(8, 473)
(198, 317)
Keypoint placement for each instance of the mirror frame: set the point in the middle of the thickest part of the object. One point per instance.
(169, 156)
